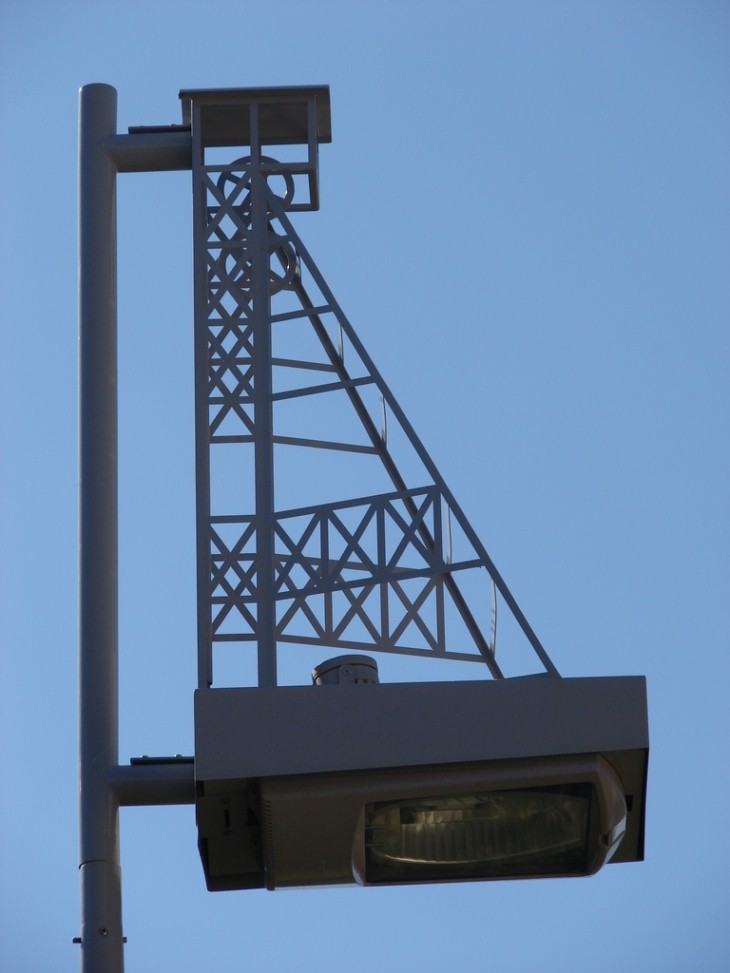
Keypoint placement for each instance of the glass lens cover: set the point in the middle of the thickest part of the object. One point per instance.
(535, 831)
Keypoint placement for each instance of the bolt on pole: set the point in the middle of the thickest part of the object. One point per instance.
(101, 906)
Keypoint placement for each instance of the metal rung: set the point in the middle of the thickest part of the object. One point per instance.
(322, 444)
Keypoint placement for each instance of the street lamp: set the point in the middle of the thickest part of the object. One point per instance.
(419, 782)
(348, 780)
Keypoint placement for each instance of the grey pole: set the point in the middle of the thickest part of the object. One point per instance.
(264, 442)
(101, 907)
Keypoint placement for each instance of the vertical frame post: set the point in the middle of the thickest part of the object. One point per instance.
(202, 420)
(263, 415)
(101, 907)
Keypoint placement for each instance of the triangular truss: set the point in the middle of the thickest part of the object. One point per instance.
(381, 572)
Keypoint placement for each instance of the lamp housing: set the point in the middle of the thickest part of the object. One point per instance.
(382, 784)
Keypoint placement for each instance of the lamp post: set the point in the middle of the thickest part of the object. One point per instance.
(101, 930)
(103, 784)
(347, 780)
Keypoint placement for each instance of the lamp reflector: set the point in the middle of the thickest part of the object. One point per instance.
(530, 831)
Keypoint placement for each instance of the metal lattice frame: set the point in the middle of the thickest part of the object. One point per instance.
(367, 573)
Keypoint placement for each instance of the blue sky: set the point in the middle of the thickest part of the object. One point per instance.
(524, 213)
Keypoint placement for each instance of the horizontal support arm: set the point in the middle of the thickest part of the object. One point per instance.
(148, 784)
(150, 151)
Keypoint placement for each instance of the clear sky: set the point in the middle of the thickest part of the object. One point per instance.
(525, 216)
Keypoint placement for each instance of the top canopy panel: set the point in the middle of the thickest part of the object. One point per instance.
(283, 114)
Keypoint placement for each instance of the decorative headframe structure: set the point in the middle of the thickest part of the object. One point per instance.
(382, 571)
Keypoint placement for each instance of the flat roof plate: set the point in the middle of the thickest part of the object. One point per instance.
(282, 114)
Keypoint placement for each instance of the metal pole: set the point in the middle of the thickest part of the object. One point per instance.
(101, 907)
(264, 442)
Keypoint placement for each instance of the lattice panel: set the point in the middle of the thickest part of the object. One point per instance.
(369, 573)
(331, 573)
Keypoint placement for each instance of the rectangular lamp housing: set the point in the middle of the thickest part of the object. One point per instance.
(419, 782)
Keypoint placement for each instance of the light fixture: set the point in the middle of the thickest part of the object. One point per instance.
(419, 782)
(527, 832)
